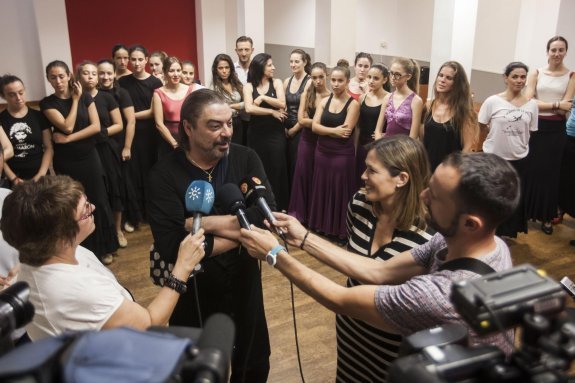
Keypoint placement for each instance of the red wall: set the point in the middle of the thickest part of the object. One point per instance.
(96, 26)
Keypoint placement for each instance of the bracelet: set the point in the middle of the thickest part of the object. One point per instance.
(175, 284)
(304, 238)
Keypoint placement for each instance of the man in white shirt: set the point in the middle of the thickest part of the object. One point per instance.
(244, 50)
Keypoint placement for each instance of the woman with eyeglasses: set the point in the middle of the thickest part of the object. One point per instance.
(401, 109)
(449, 120)
(69, 288)
(74, 117)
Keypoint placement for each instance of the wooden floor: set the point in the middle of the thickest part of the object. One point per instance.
(316, 325)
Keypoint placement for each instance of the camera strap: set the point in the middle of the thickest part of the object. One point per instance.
(466, 263)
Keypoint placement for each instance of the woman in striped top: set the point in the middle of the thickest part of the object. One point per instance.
(385, 218)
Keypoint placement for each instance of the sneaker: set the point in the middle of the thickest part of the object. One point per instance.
(107, 259)
(128, 228)
(122, 241)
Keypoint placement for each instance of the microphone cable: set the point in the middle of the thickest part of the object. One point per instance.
(295, 323)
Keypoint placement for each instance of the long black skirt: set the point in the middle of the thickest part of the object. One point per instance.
(544, 163)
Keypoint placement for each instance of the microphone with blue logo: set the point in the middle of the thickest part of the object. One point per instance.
(199, 201)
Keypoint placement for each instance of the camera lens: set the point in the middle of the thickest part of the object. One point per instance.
(15, 308)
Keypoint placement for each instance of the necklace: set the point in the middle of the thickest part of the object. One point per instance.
(205, 171)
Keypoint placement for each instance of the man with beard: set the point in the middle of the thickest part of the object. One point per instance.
(468, 196)
(231, 280)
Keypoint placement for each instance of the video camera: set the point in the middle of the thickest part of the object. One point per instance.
(522, 296)
(162, 354)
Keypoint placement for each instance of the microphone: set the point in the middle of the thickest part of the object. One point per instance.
(232, 201)
(199, 201)
(215, 350)
(253, 191)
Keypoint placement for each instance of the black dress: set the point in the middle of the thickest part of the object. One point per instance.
(368, 116)
(108, 150)
(25, 134)
(292, 103)
(439, 141)
(146, 137)
(131, 210)
(80, 161)
(267, 137)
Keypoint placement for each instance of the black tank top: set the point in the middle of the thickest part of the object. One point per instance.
(368, 116)
(440, 140)
(332, 120)
(292, 100)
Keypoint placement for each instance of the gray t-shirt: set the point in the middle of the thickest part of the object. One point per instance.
(423, 301)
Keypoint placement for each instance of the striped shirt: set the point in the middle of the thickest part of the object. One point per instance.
(364, 352)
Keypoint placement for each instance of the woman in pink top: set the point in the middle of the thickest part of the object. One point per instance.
(401, 109)
(166, 104)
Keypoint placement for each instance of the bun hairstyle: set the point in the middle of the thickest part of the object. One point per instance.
(305, 57)
(344, 70)
(63, 65)
(118, 47)
(557, 38)
(115, 85)
(363, 55)
(514, 65)
(343, 63)
(161, 54)
(385, 72)
(138, 48)
(411, 67)
(311, 92)
(167, 63)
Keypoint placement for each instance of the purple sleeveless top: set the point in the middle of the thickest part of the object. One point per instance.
(398, 119)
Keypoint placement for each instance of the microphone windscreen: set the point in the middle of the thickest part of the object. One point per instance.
(218, 333)
(252, 187)
(199, 197)
(231, 199)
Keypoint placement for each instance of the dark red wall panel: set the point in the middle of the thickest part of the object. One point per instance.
(96, 26)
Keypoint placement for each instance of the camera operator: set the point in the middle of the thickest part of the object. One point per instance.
(468, 196)
(70, 288)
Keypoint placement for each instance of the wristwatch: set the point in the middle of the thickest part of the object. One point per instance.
(175, 284)
(272, 256)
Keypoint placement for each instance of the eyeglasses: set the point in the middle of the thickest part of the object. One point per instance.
(88, 210)
(396, 75)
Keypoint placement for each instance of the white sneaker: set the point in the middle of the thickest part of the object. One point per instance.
(107, 259)
(128, 228)
(122, 241)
